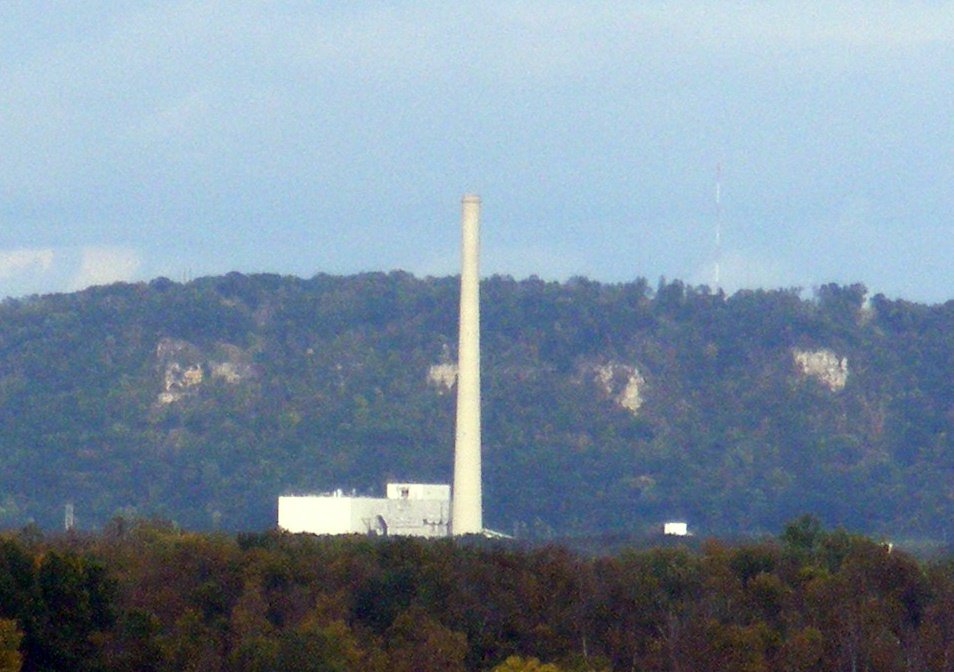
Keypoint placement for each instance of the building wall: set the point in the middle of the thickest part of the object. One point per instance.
(317, 514)
(416, 509)
(418, 517)
(675, 528)
(418, 491)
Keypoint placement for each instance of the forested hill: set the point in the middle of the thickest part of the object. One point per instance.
(607, 407)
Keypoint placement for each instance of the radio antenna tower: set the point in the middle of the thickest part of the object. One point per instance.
(718, 227)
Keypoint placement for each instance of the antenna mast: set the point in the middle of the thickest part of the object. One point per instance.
(718, 227)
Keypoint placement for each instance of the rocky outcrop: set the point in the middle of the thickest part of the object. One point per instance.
(230, 364)
(443, 376)
(180, 369)
(824, 366)
(230, 372)
(620, 382)
(183, 368)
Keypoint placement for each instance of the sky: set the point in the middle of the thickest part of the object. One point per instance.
(184, 139)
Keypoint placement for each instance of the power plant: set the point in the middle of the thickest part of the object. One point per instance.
(421, 509)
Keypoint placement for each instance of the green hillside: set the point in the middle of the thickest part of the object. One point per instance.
(607, 407)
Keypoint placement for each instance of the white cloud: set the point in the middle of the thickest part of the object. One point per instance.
(103, 265)
(18, 262)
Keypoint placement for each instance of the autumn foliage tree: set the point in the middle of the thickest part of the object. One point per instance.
(149, 597)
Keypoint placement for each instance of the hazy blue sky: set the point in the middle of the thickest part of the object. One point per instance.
(163, 138)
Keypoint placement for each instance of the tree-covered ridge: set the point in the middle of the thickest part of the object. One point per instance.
(203, 401)
(146, 597)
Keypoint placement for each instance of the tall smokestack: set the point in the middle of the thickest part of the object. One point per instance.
(467, 510)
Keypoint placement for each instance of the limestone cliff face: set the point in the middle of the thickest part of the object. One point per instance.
(183, 368)
(231, 364)
(443, 376)
(180, 369)
(824, 366)
(620, 382)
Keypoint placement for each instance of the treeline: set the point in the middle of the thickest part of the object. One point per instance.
(147, 597)
(607, 407)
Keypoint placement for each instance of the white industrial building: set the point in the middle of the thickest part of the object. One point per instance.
(676, 529)
(409, 509)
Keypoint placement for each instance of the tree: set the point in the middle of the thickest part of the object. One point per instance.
(136, 646)
(803, 534)
(10, 636)
(518, 664)
(313, 647)
(73, 602)
(195, 646)
(418, 643)
(802, 651)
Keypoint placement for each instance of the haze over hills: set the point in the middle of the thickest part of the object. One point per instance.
(607, 407)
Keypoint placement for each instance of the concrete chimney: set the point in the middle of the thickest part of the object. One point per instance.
(466, 508)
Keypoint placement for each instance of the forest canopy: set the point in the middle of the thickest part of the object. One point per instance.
(146, 597)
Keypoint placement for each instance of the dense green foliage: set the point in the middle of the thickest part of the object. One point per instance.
(146, 597)
(322, 383)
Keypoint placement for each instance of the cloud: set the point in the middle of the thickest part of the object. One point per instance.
(18, 262)
(103, 265)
